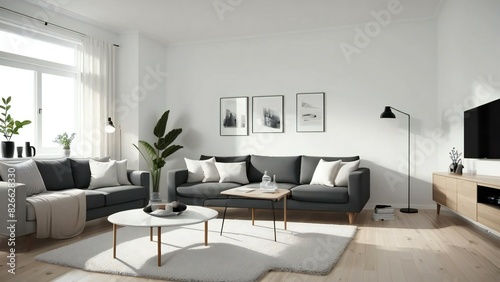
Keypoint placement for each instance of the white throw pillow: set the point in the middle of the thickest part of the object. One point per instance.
(325, 173)
(232, 172)
(343, 174)
(103, 174)
(27, 173)
(121, 171)
(195, 172)
(210, 172)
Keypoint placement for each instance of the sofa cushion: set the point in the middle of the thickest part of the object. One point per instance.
(205, 190)
(256, 185)
(122, 194)
(325, 173)
(320, 193)
(56, 174)
(344, 170)
(95, 199)
(229, 159)
(195, 172)
(27, 173)
(81, 171)
(103, 174)
(121, 172)
(309, 163)
(232, 172)
(286, 169)
(210, 172)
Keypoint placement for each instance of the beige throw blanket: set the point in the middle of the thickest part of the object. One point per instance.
(59, 214)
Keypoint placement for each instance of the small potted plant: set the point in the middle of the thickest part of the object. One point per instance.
(8, 127)
(156, 154)
(65, 140)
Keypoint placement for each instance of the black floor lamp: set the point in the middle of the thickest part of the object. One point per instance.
(110, 128)
(389, 114)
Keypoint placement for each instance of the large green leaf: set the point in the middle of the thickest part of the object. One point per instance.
(161, 125)
(168, 139)
(150, 155)
(159, 163)
(22, 123)
(170, 150)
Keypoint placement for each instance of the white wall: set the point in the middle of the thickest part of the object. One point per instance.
(54, 17)
(397, 68)
(468, 71)
(141, 98)
(127, 102)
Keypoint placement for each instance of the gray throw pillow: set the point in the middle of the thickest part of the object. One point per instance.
(26, 173)
(286, 169)
(56, 174)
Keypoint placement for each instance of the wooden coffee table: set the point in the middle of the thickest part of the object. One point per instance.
(138, 218)
(258, 193)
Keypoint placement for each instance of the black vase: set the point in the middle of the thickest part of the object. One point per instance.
(8, 148)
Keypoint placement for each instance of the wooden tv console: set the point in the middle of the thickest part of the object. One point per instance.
(467, 195)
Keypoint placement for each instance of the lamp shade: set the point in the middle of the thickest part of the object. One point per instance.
(109, 128)
(387, 113)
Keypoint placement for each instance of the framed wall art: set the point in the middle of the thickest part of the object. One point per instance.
(233, 116)
(267, 114)
(311, 112)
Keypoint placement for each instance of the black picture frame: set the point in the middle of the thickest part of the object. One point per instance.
(310, 112)
(267, 114)
(233, 116)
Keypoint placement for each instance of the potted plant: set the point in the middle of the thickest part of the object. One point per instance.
(8, 127)
(155, 154)
(65, 141)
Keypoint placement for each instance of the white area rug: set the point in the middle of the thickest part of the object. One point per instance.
(243, 252)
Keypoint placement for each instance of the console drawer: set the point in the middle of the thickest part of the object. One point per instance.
(488, 215)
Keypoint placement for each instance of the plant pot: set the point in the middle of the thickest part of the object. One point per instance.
(67, 152)
(8, 148)
(453, 167)
(155, 197)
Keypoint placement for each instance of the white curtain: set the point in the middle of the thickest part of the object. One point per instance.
(96, 99)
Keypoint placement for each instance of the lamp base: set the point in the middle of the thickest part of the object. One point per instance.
(408, 210)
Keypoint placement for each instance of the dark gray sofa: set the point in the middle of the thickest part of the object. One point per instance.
(292, 172)
(67, 173)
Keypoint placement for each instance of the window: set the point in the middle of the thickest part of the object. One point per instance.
(41, 75)
(35, 48)
(23, 104)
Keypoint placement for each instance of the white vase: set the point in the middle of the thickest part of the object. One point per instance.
(155, 197)
(67, 152)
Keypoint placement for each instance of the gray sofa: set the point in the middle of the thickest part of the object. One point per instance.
(292, 172)
(66, 173)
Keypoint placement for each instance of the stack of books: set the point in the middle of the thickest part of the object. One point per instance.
(383, 212)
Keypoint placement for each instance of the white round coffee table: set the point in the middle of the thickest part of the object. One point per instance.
(138, 218)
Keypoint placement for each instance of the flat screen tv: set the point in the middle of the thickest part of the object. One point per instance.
(482, 131)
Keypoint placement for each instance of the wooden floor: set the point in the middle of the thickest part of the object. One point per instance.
(414, 247)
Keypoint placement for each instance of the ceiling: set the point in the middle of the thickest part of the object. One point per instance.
(183, 21)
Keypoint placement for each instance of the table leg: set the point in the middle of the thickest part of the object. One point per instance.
(114, 240)
(223, 217)
(284, 211)
(253, 216)
(150, 233)
(159, 246)
(274, 221)
(206, 233)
